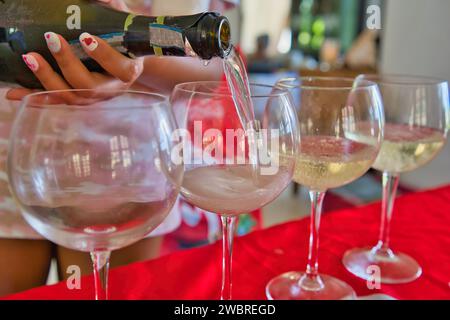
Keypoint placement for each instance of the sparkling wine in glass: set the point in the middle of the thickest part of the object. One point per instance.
(219, 153)
(331, 111)
(417, 119)
(95, 174)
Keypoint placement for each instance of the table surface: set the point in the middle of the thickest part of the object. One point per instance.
(420, 227)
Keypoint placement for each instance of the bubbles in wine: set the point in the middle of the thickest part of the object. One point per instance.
(326, 162)
(406, 148)
(230, 189)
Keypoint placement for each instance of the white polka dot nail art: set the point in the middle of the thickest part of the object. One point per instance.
(53, 42)
(31, 62)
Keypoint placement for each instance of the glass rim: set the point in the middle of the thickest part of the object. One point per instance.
(349, 86)
(26, 102)
(402, 79)
(181, 87)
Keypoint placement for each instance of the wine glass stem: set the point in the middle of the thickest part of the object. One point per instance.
(390, 185)
(100, 260)
(228, 224)
(312, 280)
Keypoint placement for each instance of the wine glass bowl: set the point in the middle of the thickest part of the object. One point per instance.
(234, 192)
(417, 119)
(341, 123)
(233, 167)
(94, 176)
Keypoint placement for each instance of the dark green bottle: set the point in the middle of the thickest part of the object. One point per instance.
(24, 22)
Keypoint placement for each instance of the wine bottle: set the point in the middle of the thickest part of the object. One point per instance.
(24, 22)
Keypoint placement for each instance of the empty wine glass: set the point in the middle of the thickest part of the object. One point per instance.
(417, 120)
(229, 170)
(94, 175)
(341, 130)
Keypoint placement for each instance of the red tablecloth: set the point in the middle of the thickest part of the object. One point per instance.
(420, 227)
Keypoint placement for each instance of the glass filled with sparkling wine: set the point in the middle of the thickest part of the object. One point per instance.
(417, 119)
(95, 174)
(231, 168)
(332, 113)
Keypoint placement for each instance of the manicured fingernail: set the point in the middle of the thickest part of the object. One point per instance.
(31, 62)
(53, 42)
(88, 41)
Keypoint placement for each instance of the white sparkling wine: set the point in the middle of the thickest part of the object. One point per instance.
(407, 148)
(326, 162)
(230, 189)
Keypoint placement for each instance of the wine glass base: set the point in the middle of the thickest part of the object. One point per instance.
(286, 287)
(394, 269)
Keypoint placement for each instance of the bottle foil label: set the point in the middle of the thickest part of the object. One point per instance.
(162, 36)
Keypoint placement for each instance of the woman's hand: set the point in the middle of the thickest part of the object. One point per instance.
(122, 71)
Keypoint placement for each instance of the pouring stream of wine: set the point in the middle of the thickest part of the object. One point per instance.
(238, 83)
